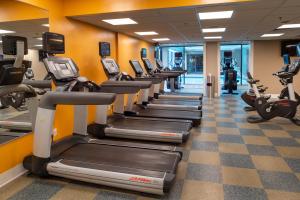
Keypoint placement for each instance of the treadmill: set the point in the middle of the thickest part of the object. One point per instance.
(160, 92)
(118, 125)
(11, 75)
(182, 104)
(142, 110)
(134, 166)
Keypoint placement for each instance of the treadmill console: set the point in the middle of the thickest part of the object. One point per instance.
(110, 67)
(61, 69)
(137, 67)
(148, 65)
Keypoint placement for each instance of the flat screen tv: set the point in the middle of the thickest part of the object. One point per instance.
(143, 53)
(104, 49)
(53, 43)
(289, 47)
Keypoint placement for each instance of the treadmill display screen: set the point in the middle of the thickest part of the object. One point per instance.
(148, 64)
(138, 68)
(111, 66)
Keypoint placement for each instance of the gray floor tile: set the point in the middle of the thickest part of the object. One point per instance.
(270, 126)
(232, 192)
(294, 164)
(241, 120)
(252, 132)
(230, 138)
(208, 129)
(290, 142)
(236, 160)
(222, 115)
(295, 134)
(206, 146)
(227, 124)
(110, 195)
(280, 181)
(208, 119)
(41, 190)
(262, 150)
(203, 172)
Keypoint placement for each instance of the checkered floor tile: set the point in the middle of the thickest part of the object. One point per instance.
(226, 158)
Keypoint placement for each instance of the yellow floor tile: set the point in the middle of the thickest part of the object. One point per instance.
(197, 190)
(241, 177)
(276, 133)
(220, 119)
(14, 187)
(228, 131)
(209, 115)
(258, 140)
(208, 124)
(78, 192)
(280, 195)
(289, 152)
(181, 170)
(233, 148)
(207, 137)
(270, 163)
(204, 157)
(247, 125)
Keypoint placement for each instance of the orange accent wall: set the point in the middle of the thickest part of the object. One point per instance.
(14, 11)
(82, 46)
(129, 48)
(76, 7)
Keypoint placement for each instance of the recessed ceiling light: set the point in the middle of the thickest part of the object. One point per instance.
(215, 15)
(289, 26)
(213, 30)
(120, 21)
(46, 25)
(212, 37)
(160, 39)
(146, 33)
(272, 35)
(0, 41)
(6, 31)
(38, 45)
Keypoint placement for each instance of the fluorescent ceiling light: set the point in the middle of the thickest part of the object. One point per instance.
(160, 39)
(213, 30)
(213, 37)
(121, 21)
(39, 38)
(6, 31)
(289, 26)
(38, 45)
(0, 41)
(146, 33)
(215, 15)
(46, 25)
(272, 35)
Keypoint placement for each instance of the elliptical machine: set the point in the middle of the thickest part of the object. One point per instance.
(286, 105)
(230, 74)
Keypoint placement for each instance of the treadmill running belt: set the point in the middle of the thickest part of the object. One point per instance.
(149, 125)
(6, 138)
(191, 115)
(176, 102)
(124, 157)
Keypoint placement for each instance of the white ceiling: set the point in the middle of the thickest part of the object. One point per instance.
(249, 21)
(31, 29)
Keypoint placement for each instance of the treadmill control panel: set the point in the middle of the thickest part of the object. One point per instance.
(137, 67)
(148, 64)
(62, 69)
(110, 66)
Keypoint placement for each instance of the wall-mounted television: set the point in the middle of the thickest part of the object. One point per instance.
(143, 53)
(289, 47)
(104, 49)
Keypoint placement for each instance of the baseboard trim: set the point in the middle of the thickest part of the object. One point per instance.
(11, 174)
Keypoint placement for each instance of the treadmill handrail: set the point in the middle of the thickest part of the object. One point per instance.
(51, 99)
(41, 84)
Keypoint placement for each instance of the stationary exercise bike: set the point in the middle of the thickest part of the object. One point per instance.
(230, 74)
(286, 106)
